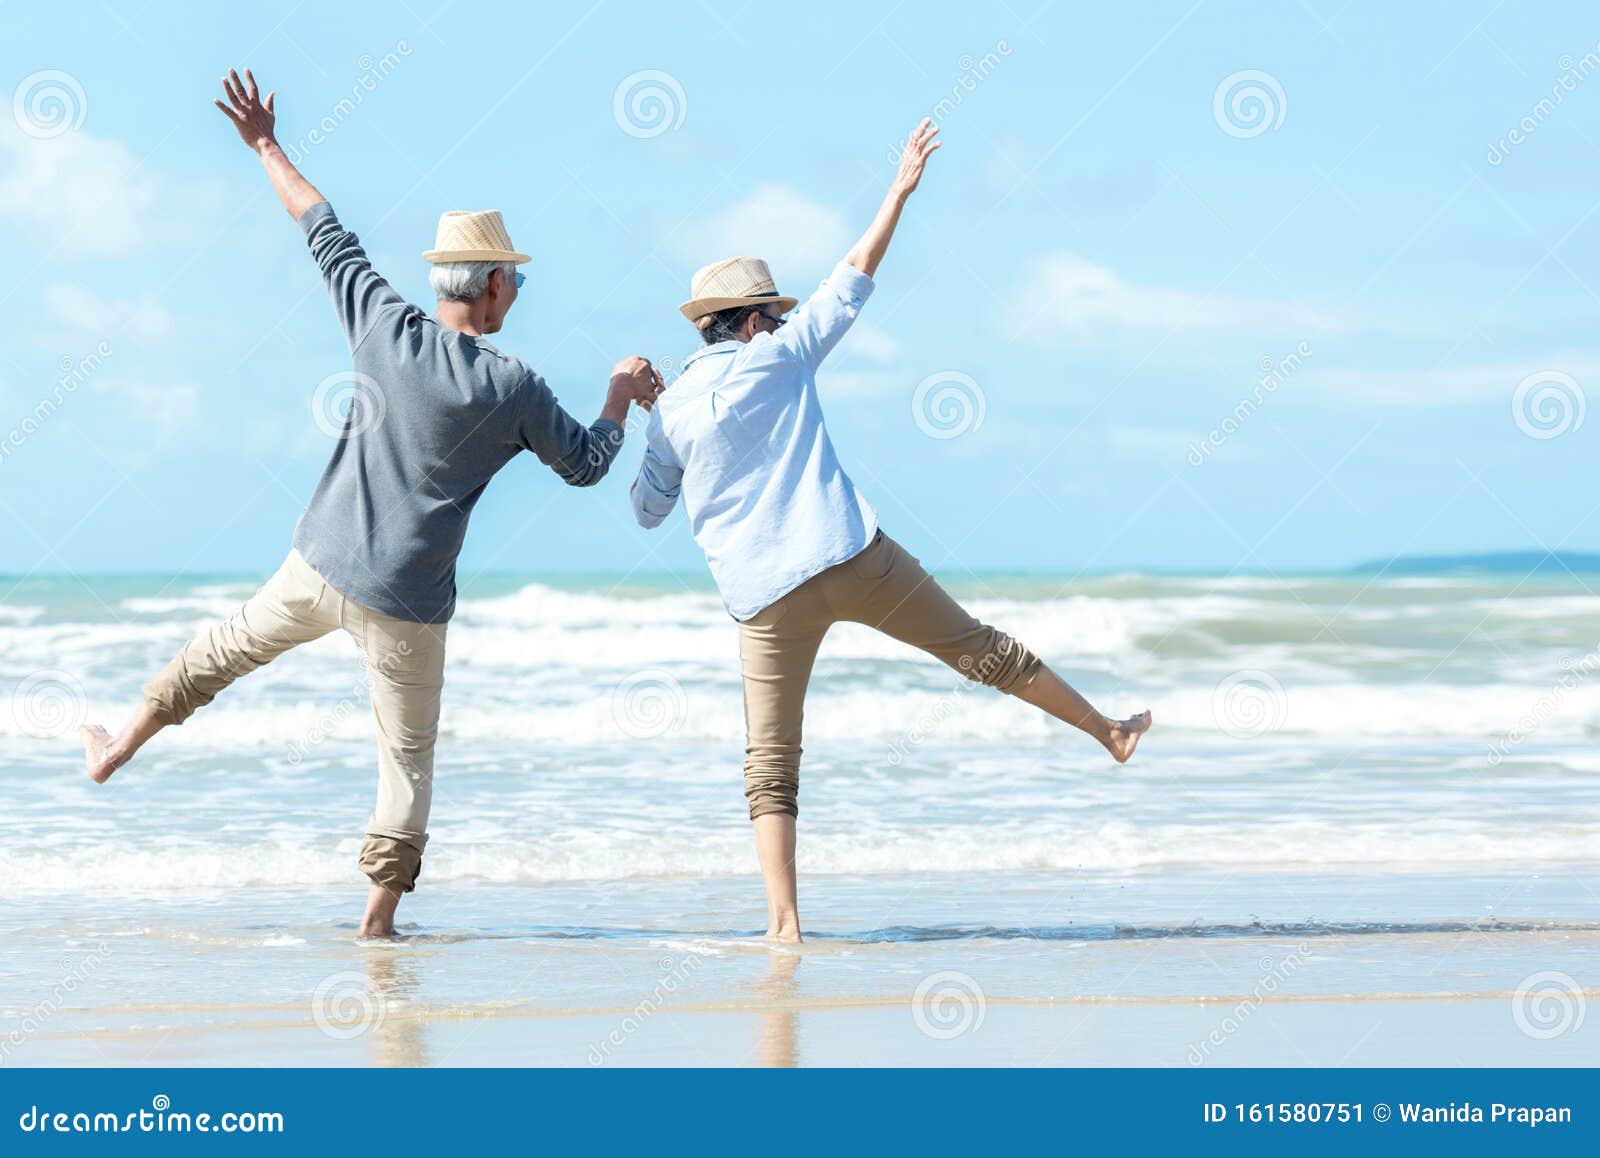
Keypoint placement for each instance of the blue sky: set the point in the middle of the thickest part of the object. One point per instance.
(1104, 258)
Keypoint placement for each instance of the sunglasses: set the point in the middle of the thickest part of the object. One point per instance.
(520, 279)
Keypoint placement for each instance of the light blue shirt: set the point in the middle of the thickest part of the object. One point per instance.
(740, 436)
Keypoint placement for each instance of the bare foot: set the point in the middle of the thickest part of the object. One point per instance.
(97, 755)
(785, 935)
(1124, 735)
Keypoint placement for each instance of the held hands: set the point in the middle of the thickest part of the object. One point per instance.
(920, 145)
(636, 380)
(252, 116)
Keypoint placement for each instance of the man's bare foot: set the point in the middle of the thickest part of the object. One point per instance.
(98, 758)
(784, 934)
(1123, 736)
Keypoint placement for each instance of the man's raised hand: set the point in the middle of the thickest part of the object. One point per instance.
(253, 117)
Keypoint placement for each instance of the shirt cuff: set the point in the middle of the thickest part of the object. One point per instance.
(314, 216)
(852, 286)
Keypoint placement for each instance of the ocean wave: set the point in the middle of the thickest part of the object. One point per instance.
(875, 851)
(893, 709)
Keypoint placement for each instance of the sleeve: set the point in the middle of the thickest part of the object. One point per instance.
(357, 291)
(814, 329)
(580, 454)
(660, 482)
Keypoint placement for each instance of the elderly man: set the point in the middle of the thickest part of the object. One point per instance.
(437, 411)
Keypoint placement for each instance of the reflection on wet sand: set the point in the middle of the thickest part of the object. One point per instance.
(397, 1038)
(778, 1031)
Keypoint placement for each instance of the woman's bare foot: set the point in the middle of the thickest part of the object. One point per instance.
(1123, 736)
(98, 756)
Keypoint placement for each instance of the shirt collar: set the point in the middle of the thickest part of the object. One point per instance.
(727, 347)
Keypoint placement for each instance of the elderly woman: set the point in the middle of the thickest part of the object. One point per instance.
(794, 548)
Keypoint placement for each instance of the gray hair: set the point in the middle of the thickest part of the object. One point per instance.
(465, 281)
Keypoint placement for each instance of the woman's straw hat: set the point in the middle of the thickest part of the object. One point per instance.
(467, 236)
(738, 281)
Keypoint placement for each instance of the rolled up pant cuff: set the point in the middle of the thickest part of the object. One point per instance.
(391, 864)
(768, 805)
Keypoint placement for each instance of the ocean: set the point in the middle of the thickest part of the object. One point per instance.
(1334, 759)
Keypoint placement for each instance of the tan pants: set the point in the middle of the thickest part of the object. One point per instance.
(405, 664)
(883, 587)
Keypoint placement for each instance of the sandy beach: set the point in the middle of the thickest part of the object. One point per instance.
(1196, 969)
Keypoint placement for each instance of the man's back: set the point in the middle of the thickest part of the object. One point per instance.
(434, 414)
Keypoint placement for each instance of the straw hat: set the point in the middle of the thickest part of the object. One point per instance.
(738, 281)
(467, 236)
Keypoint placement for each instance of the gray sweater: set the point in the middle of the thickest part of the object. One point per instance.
(434, 414)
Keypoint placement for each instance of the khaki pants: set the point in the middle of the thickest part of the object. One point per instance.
(405, 663)
(885, 588)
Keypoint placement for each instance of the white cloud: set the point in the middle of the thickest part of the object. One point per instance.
(82, 311)
(79, 195)
(1063, 295)
(1459, 384)
(166, 407)
(866, 364)
(796, 236)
